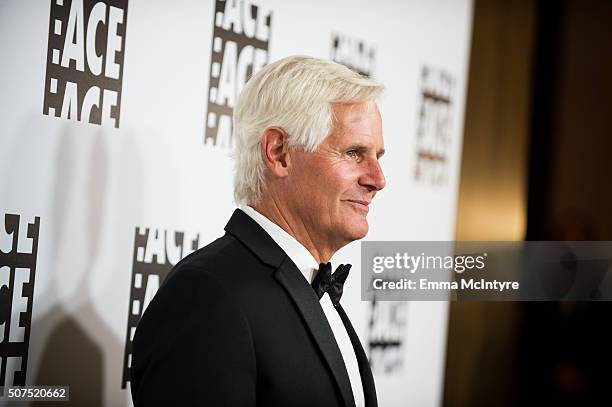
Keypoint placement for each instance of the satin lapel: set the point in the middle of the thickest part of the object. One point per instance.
(369, 389)
(307, 302)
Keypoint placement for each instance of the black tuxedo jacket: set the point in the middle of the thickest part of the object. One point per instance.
(236, 324)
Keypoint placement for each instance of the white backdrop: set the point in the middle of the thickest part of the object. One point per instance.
(96, 188)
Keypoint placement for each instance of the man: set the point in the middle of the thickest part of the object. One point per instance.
(238, 323)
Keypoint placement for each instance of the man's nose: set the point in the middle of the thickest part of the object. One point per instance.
(373, 177)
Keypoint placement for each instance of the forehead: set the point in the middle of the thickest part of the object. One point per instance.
(356, 123)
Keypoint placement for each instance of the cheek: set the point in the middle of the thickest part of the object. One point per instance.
(347, 184)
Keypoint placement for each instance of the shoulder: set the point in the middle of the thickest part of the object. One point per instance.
(174, 334)
(218, 274)
(227, 261)
(195, 295)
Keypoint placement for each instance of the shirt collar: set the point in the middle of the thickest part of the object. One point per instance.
(294, 249)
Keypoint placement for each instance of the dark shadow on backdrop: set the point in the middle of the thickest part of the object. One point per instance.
(71, 356)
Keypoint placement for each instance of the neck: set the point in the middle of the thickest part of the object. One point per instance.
(278, 213)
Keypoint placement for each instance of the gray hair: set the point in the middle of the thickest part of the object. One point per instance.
(295, 94)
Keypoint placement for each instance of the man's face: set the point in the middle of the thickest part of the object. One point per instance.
(334, 185)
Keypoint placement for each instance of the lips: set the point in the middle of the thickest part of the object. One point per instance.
(363, 205)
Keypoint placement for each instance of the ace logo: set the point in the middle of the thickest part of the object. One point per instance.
(241, 37)
(433, 137)
(353, 53)
(387, 328)
(18, 252)
(85, 60)
(155, 252)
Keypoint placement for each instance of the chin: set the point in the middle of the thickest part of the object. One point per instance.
(359, 230)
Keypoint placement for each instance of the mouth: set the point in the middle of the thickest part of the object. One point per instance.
(363, 206)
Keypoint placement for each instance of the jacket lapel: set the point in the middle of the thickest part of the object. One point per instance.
(307, 302)
(245, 229)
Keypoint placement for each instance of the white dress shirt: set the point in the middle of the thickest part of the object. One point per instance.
(308, 266)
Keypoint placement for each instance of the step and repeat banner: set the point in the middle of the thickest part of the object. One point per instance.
(115, 163)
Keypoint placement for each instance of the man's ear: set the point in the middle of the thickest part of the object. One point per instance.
(275, 151)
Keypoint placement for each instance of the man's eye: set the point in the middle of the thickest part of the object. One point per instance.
(352, 154)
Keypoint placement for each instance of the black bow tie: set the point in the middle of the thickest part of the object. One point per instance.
(332, 284)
